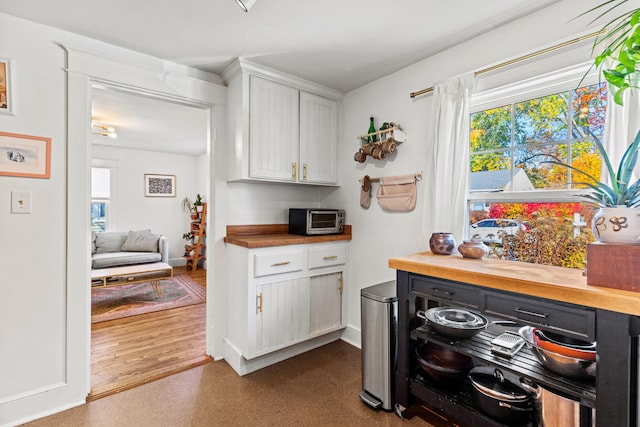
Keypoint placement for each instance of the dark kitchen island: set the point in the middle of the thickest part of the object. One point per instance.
(553, 298)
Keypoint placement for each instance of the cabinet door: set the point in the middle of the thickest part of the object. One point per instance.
(325, 311)
(318, 139)
(273, 130)
(282, 313)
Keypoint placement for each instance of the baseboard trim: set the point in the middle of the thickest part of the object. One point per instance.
(244, 366)
(353, 336)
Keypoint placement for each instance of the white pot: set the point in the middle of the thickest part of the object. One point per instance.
(617, 225)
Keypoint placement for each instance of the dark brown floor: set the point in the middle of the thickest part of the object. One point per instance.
(317, 388)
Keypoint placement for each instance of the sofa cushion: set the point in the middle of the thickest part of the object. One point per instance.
(112, 259)
(141, 241)
(109, 242)
(93, 243)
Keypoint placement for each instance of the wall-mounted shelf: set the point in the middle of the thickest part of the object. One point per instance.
(388, 141)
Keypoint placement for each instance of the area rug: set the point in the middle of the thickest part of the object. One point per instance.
(130, 300)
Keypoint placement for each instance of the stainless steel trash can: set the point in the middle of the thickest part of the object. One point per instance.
(379, 331)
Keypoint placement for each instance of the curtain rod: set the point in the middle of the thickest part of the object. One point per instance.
(519, 59)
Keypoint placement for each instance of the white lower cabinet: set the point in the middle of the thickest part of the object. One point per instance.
(281, 298)
(325, 311)
(282, 315)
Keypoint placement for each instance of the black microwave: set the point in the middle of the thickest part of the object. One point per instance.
(308, 222)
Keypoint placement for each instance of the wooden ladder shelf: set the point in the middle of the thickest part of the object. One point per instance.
(198, 229)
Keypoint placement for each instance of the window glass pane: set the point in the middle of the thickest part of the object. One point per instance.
(100, 183)
(585, 157)
(541, 120)
(589, 106)
(491, 161)
(542, 233)
(99, 215)
(491, 129)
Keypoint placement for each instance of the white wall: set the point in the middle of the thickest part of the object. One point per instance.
(380, 235)
(40, 343)
(163, 215)
(269, 203)
(44, 312)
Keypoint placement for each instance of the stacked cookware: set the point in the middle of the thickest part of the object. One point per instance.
(501, 395)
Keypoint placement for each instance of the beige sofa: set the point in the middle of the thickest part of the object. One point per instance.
(116, 248)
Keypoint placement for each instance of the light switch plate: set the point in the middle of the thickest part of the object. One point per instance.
(20, 202)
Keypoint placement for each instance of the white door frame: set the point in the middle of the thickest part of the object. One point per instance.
(137, 73)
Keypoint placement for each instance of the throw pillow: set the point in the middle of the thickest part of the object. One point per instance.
(141, 241)
(93, 243)
(109, 242)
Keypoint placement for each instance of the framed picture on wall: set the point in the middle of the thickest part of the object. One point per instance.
(159, 185)
(6, 96)
(25, 155)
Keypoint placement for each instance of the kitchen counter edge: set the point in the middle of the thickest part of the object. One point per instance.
(268, 235)
(555, 283)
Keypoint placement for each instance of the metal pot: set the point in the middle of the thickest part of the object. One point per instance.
(443, 365)
(498, 397)
(552, 408)
(455, 322)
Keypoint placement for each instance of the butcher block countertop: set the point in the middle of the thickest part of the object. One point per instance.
(267, 235)
(555, 283)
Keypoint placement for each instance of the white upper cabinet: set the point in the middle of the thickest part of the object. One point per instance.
(318, 139)
(283, 128)
(273, 130)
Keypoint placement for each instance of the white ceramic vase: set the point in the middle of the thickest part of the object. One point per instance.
(617, 225)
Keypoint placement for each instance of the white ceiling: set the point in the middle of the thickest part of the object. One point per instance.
(343, 44)
(147, 123)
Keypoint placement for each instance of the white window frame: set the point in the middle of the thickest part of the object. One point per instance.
(546, 84)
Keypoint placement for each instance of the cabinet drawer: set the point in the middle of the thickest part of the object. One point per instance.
(445, 291)
(277, 263)
(562, 319)
(327, 256)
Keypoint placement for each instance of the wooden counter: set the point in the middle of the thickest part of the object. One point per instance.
(267, 235)
(555, 283)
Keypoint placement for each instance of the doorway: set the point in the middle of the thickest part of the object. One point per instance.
(154, 77)
(161, 136)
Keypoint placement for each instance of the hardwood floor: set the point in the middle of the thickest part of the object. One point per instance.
(135, 350)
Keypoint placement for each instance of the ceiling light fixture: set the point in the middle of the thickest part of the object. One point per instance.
(109, 131)
(246, 4)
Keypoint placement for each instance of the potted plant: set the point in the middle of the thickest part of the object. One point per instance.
(198, 203)
(619, 45)
(617, 219)
(188, 237)
(618, 216)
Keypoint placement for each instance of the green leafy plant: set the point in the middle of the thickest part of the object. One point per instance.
(621, 192)
(619, 41)
(199, 200)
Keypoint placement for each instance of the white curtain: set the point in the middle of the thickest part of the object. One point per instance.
(622, 126)
(447, 175)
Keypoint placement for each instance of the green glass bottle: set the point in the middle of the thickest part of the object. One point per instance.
(372, 129)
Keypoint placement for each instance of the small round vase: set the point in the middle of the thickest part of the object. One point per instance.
(472, 249)
(442, 243)
(617, 225)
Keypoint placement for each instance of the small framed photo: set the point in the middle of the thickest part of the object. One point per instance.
(25, 155)
(159, 185)
(6, 96)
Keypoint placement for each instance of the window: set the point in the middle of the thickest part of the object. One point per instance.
(100, 198)
(525, 207)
